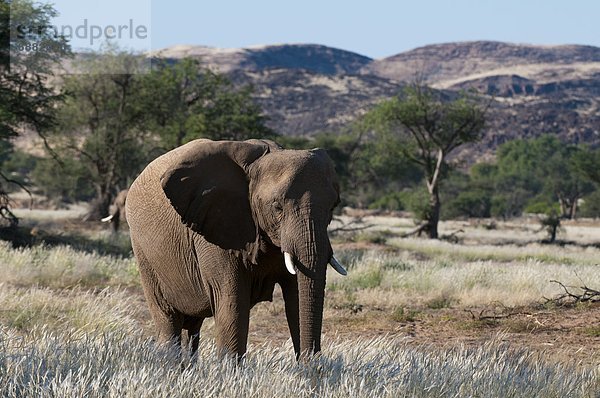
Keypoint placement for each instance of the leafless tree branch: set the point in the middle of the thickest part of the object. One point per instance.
(568, 297)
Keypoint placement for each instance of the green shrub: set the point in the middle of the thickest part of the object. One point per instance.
(417, 201)
(390, 201)
(591, 205)
(19, 166)
(67, 182)
(377, 237)
(542, 206)
(472, 204)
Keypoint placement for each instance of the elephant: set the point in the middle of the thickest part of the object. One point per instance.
(117, 211)
(215, 225)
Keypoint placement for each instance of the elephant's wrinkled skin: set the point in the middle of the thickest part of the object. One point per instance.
(210, 222)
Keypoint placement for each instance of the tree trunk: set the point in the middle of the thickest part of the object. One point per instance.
(553, 230)
(563, 207)
(433, 215)
(573, 211)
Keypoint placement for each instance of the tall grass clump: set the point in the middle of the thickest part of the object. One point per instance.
(110, 309)
(397, 280)
(63, 266)
(567, 254)
(120, 365)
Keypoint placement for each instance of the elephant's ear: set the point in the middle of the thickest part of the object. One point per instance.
(208, 187)
(322, 153)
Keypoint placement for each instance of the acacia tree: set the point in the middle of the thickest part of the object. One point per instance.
(115, 120)
(184, 101)
(99, 123)
(425, 128)
(27, 100)
(562, 177)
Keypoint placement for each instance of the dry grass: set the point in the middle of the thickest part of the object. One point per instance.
(26, 309)
(115, 364)
(398, 279)
(63, 266)
(73, 323)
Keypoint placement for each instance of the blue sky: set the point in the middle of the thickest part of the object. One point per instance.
(375, 28)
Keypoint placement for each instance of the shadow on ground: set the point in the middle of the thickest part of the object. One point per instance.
(104, 244)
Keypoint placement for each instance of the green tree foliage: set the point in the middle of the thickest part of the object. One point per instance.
(540, 175)
(591, 205)
(380, 176)
(587, 162)
(184, 101)
(52, 181)
(541, 170)
(100, 125)
(26, 99)
(424, 127)
(466, 195)
(115, 120)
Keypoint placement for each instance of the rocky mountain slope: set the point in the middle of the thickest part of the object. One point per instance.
(313, 57)
(448, 64)
(305, 89)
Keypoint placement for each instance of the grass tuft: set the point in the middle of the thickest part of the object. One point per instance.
(115, 364)
(64, 267)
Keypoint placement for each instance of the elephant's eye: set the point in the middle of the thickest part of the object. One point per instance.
(277, 207)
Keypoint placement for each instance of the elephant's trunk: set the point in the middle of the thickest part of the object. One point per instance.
(311, 252)
(311, 292)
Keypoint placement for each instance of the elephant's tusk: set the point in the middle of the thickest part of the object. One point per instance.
(289, 263)
(107, 218)
(337, 266)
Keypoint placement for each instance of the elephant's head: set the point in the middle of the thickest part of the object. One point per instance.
(239, 195)
(293, 194)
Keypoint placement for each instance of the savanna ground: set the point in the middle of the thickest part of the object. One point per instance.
(471, 315)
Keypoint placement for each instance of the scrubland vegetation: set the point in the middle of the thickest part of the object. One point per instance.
(74, 323)
(473, 314)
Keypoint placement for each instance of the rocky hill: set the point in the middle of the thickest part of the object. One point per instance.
(313, 57)
(305, 89)
(304, 102)
(446, 64)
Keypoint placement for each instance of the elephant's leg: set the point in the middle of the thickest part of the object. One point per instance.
(116, 222)
(193, 326)
(168, 321)
(230, 303)
(289, 288)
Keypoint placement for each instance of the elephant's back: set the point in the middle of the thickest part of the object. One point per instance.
(153, 222)
(145, 194)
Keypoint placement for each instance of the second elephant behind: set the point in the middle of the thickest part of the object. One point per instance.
(117, 211)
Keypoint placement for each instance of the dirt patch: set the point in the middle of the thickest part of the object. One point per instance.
(569, 335)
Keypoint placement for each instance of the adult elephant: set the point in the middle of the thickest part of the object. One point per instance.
(215, 225)
(117, 210)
